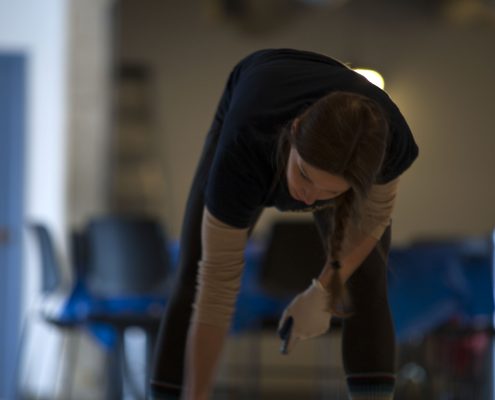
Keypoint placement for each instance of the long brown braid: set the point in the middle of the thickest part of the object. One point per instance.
(344, 134)
(339, 302)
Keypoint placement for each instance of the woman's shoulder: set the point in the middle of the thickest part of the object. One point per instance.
(286, 53)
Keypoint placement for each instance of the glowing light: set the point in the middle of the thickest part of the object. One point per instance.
(373, 76)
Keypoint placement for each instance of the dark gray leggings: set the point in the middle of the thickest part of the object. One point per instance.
(368, 337)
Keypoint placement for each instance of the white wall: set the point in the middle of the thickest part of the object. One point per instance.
(39, 30)
(68, 48)
(439, 73)
(89, 88)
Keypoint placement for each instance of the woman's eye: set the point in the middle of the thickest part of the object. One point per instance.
(304, 176)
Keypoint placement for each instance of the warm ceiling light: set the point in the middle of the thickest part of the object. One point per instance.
(373, 76)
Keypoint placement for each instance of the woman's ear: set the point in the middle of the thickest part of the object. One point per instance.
(295, 125)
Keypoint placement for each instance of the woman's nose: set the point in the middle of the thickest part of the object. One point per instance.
(309, 196)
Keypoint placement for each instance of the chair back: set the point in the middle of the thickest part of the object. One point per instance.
(50, 266)
(79, 253)
(294, 255)
(125, 256)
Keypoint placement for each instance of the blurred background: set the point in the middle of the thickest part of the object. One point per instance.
(104, 106)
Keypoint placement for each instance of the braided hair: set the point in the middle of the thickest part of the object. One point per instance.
(344, 134)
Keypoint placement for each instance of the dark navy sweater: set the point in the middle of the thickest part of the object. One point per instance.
(264, 93)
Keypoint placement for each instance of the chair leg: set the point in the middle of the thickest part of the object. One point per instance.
(137, 388)
(20, 361)
(255, 337)
(72, 347)
(114, 367)
(151, 338)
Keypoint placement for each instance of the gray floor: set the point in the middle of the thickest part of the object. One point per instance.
(447, 365)
(253, 368)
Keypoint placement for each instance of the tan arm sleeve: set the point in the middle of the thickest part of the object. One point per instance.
(220, 271)
(375, 215)
(378, 208)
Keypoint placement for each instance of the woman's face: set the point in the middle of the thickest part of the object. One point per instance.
(309, 184)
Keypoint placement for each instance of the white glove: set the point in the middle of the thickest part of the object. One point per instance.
(305, 317)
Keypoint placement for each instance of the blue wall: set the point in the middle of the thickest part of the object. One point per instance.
(12, 131)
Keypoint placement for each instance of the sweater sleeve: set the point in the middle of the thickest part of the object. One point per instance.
(220, 271)
(376, 214)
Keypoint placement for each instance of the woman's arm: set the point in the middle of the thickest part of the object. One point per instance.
(204, 346)
(361, 240)
(350, 261)
(219, 278)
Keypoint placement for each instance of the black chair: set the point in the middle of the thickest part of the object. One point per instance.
(50, 271)
(62, 300)
(126, 265)
(293, 256)
(278, 268)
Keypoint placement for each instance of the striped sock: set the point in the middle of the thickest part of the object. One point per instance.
(377, 386)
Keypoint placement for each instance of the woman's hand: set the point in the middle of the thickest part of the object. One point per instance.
(305, 317)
